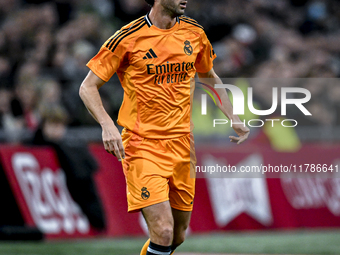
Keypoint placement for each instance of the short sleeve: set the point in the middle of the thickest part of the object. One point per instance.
(109, 58)
(204, 61)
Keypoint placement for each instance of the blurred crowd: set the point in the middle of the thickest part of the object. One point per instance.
(45, 45)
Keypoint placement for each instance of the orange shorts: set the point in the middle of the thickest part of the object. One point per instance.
(159, 170)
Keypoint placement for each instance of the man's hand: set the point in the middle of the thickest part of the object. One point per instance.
(241, 131)
(113, 141)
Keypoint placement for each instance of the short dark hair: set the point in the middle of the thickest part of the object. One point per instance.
(150, 2)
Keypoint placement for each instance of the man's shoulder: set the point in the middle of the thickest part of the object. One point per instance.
(127, 32)
(190, 23)
(135, 23)
(132, 28)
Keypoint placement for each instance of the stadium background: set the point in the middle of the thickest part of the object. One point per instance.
(44, 46)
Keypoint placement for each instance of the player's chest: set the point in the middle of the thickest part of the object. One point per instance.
(171, 53)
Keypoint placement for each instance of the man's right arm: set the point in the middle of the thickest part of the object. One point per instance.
(110, 134)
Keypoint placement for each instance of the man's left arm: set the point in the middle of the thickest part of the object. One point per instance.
(226, 107)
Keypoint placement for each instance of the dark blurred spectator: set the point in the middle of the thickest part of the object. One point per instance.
(76, 161)
(128, 10)
(10, 122)
(64, 8)
(334, 97)
(5, 72)
(28, 96)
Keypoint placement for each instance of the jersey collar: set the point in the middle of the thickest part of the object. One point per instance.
(149, 23)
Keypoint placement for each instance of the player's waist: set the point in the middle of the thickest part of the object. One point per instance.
(158, 136)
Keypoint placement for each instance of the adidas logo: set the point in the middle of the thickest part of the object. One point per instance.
(150, 54)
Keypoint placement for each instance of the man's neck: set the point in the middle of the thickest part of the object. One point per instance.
(161, 19)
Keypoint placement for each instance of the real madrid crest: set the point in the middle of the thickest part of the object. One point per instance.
(187, 48)
(145, 193)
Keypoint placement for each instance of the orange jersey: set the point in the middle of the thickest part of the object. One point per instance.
(154, 67)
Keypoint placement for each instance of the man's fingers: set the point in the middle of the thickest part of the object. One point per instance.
(111, 148)
(238, 140)
(116, 151)
(242, 139)
(116, 148)
(107, 147)
(121, 149)
(234, 139)
(113, 142)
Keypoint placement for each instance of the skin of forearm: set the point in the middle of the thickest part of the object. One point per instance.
(226, 106)
(91, 98)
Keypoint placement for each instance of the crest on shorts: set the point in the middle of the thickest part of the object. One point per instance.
(188, 48)
(145, 193)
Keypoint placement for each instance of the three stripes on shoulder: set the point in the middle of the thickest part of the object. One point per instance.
(190, 21)
(118, 37)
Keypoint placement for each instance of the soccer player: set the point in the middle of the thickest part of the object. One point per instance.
(156, 58)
